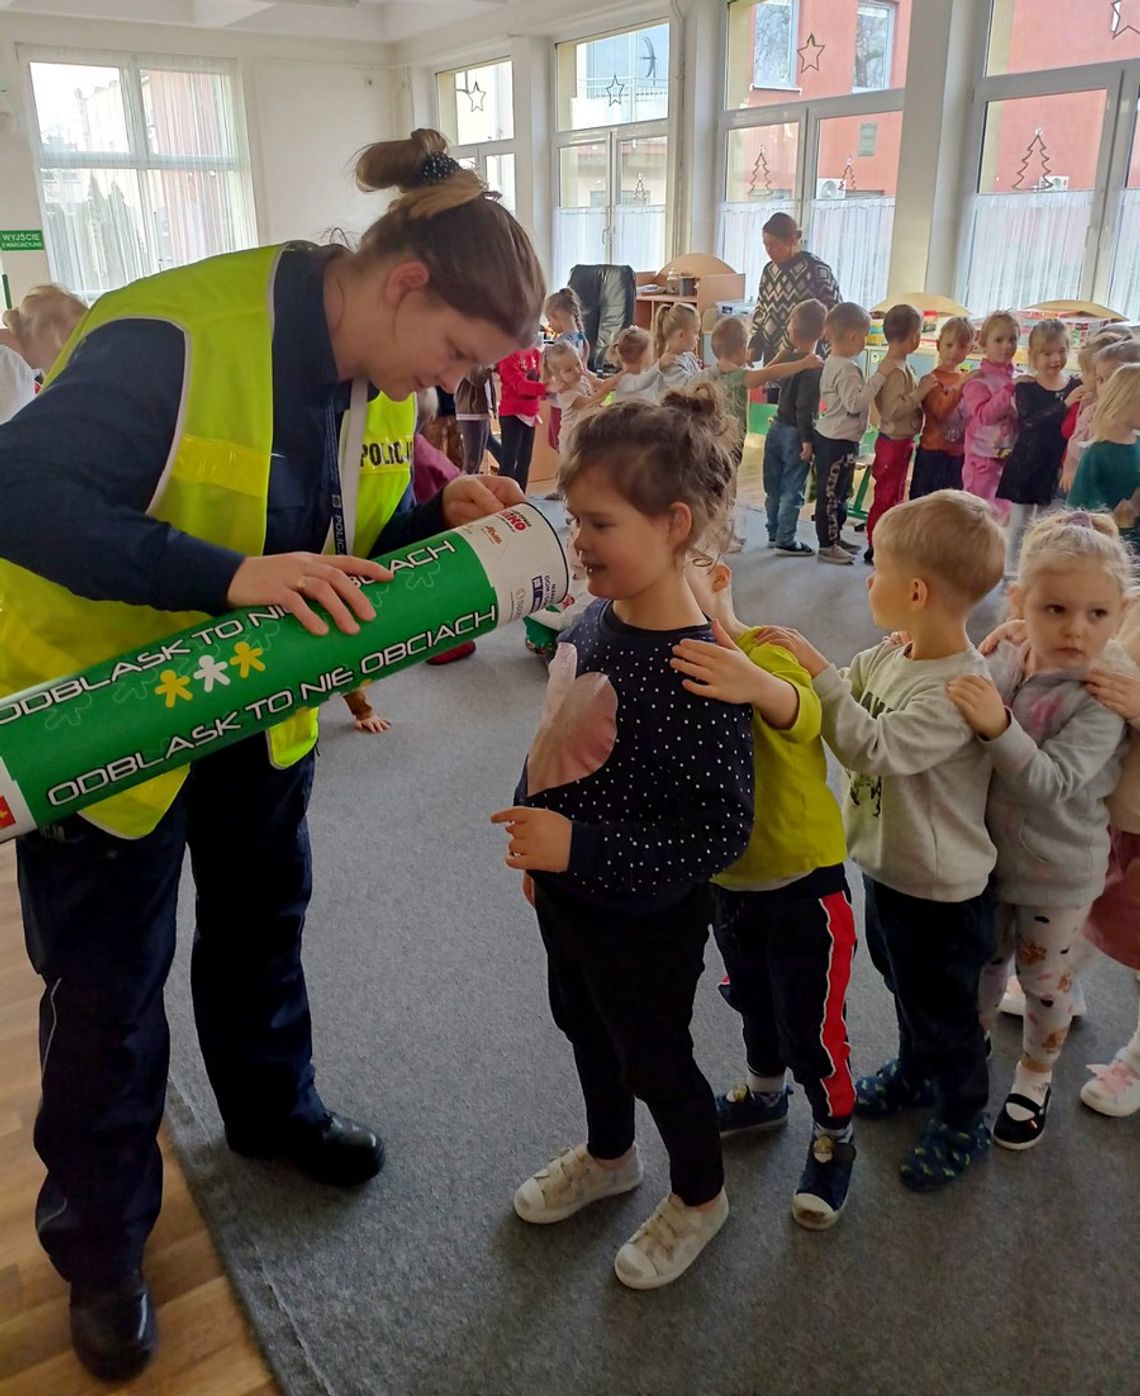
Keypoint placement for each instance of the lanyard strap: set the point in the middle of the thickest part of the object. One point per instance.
(342, 463)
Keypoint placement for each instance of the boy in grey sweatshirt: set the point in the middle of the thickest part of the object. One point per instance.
(845, 398)
(914, 815)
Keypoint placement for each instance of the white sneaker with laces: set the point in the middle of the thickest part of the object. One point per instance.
(1013, 1000)
(572, 1181)
(668, 1243)
(1114, 1089)
(840, 556)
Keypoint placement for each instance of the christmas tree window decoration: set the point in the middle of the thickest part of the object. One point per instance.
(1035, 164)
(760, 180)
(810, 54)
(848, 177)
(640, 192)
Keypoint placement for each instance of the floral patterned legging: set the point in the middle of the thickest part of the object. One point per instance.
(1048, 947)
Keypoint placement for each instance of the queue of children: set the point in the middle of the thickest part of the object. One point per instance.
(969, 779)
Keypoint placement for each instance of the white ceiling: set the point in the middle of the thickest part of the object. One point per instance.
(378, 21)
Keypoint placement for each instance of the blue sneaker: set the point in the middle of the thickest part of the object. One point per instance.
(739, 1110)
(889, 1091)
(942, 1154)
(822, 1192)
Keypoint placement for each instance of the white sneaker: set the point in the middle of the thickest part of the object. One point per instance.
(1013, 1001)
(570, 1182)
(1114, 1089)
(668, 1243)
(836, 554)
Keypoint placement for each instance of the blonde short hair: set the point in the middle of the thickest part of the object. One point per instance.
(808, 317)
(845, 318)
(948, 537)
(1117, 403)
(729, 335)
(998, 320)
(1061, 541)
(553, 353)
(959, 327)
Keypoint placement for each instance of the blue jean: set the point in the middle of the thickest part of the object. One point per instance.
(99, 918)
(785, 478)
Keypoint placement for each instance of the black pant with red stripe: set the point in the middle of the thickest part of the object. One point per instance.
(788, 955)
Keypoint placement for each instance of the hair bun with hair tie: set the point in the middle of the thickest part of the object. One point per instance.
(1079, 518)
(437, 167)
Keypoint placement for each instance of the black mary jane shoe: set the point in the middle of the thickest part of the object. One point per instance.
(1014, 1133)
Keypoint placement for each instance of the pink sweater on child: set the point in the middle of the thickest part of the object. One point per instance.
(991, 417)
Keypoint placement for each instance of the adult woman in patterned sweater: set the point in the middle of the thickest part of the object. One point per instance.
(792, 275)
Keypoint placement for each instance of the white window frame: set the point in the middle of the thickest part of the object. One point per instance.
(1121, 84)
(614, 133)
(139, 158)
(890, 7)
(479, 151)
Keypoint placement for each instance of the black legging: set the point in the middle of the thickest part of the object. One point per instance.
(518, 443)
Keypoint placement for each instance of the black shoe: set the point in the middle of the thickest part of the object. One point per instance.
(1024, 1129)
(113, 1330)
(869, 557)
(794, 549)
(335, 1150)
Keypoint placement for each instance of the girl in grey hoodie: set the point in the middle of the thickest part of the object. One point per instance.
(1056, 757)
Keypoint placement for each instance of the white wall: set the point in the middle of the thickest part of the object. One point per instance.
(310, 105)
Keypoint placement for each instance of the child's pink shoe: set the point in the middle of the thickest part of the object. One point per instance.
(1114, 1089)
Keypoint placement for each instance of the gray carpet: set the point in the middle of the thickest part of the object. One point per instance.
(427, 981)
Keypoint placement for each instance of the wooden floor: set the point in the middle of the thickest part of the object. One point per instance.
(205, 1346)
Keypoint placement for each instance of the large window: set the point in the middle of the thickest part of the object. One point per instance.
(477, 115)
(812, 126)
(1034, 35)
(613, 150)
(1054, 213)
(874, 45)
(143, 166)
(814, 49)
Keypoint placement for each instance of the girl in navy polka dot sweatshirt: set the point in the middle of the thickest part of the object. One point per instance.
(634, 793)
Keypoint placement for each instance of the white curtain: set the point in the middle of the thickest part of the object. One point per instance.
(579, 236)
(1022, 248)
(853, 236)
(185, 194)
(739, 236)
(1124, 289)
(639, 236)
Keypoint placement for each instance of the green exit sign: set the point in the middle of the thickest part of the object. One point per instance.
(21, 240)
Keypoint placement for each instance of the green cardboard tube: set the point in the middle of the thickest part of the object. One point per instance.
(83, 737)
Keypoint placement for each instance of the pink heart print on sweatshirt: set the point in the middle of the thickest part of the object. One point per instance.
(578, 728)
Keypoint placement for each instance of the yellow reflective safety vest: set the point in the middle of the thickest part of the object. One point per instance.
(214, 485)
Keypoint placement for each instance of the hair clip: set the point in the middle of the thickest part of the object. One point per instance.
(436, 168)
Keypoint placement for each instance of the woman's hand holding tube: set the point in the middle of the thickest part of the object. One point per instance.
(293, 580)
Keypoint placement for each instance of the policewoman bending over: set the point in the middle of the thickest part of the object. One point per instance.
(183, 460)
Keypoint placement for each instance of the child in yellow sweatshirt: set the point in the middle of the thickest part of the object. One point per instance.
(782, 912)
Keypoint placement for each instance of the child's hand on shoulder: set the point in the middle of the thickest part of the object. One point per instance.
(1119, 693)
(666, 361)
(803, 651)
(1077, 395)
(719, 670)
(979, 702)
(927, 383)
(1012, 630)
(539, 839)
